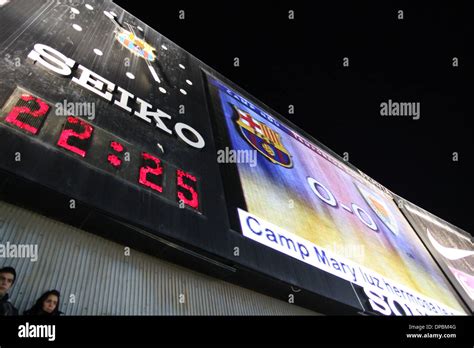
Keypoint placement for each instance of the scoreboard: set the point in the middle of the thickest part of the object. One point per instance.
(27, 113)
(113, 120)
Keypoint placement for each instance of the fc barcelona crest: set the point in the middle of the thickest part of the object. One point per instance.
(136, 45)
(130, 40)
(264, 139)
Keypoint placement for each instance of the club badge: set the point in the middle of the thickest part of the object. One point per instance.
(262, 138)
(380, 208)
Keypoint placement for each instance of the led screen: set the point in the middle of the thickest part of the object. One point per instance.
(451, 247)
(301, 201)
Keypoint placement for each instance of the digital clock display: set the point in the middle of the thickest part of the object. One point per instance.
(32, 116)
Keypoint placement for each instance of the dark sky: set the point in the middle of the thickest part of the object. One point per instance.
(300, 62)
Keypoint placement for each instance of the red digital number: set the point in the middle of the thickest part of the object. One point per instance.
(114, 160)
(192, 199)
(76, 136)
(28, 113)
(151, 170)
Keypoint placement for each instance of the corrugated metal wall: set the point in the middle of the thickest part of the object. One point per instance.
(106, 282)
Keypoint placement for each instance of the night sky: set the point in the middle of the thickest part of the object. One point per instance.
(300, 62)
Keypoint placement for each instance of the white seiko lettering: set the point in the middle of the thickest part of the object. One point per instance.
(60, 64)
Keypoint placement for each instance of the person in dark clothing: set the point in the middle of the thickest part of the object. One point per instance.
(7, 279)
(47, 304)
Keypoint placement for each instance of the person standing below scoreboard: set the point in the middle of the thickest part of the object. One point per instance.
(7, 279)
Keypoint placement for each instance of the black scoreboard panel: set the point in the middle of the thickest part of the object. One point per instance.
(77, 150)
(144, 155)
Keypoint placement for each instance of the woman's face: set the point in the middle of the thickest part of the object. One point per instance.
(50, 303)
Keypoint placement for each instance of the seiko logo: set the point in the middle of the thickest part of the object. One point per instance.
(60, 64)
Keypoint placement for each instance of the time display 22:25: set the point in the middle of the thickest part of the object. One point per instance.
(28, 113)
